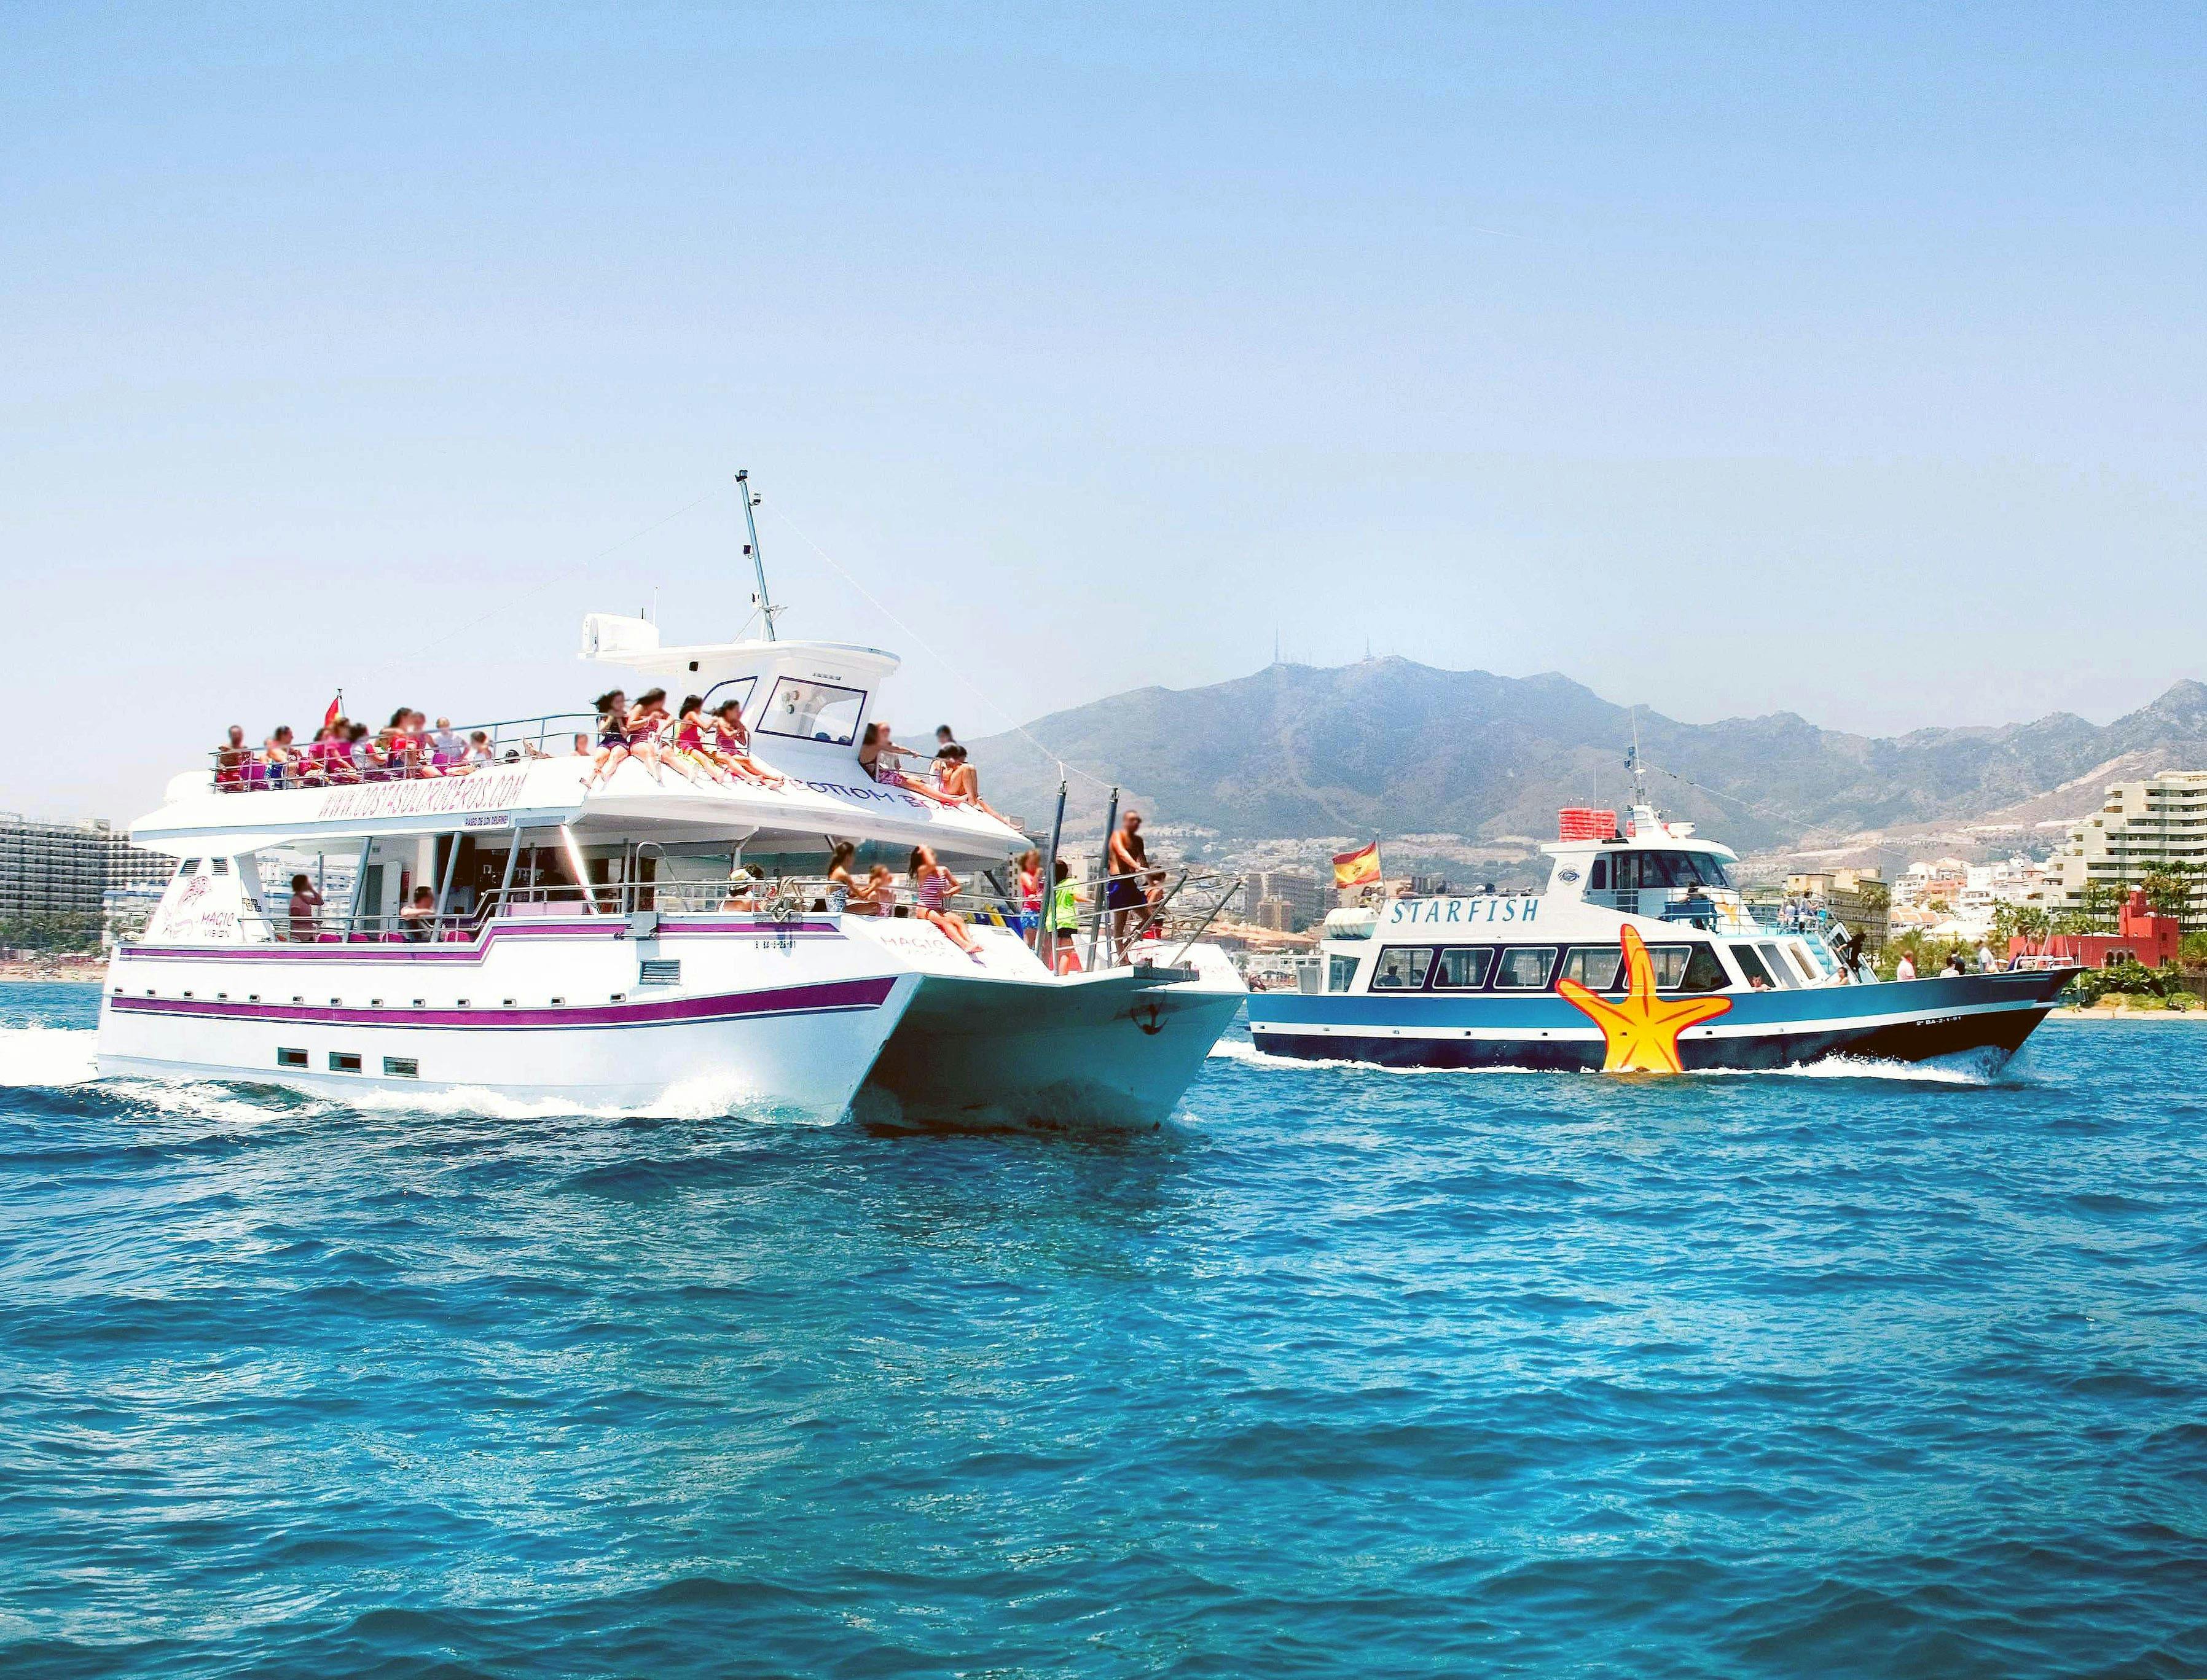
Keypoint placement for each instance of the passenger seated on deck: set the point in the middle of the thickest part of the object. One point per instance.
(613, 736)
(743, 888)
(418, 920)
(881, 898)
(691, 746)
(841, 887)
(230, 761)
(962, 782)
(933, 886)
(877, 748)
(730, 745)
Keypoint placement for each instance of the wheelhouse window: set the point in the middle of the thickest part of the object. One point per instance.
(1598, 876)
(810, 711)
(1687, 968)
(1403, 968)
(1595, 966)
(1340, 974)
(1524, 968)
(1463, 968)
(737, 689)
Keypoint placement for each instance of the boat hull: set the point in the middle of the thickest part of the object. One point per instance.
(1987, 1016)
(1105, 1051)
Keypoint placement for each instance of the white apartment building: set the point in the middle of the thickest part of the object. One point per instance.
(2143, 826)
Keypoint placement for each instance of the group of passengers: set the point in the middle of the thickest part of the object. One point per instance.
(701, 747)
(344, 752)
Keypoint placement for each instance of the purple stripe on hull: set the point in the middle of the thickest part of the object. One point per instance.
(828, 997)
(454, 951)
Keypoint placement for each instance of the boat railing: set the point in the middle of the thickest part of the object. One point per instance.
(1174, 911)
(510, 742)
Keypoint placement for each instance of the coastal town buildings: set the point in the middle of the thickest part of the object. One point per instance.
(2143, 826)
(1859, 898)
(1286, 899)
(65, 869)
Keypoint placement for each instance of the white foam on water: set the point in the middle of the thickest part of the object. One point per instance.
(49, 1056)
(1964, 1069)
(703, 1096)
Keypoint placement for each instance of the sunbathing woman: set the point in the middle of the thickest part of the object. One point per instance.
(648, 728)
(933, 886)
(690, 744)
(877, 748)
(613, 738)
(732, 747)
(962, 782)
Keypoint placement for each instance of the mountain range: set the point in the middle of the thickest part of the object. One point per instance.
(1390, 747)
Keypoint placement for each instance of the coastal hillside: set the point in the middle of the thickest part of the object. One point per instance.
(1388, 746)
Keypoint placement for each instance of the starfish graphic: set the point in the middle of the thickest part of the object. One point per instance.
(1642, 1032)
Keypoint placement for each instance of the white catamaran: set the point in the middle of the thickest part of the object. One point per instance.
(603, 944)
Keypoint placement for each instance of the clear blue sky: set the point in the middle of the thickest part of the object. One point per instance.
(1848, 362)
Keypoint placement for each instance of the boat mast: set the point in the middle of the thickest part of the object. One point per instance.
(758, 560)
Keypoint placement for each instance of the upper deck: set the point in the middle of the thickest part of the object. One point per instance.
(806, 704)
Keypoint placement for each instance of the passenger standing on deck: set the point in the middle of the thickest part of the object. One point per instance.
(1125, 865)
(1064, 954)
(1029, 867)
(305, 901)
(1904, 970)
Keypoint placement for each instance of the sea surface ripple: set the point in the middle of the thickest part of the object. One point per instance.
(1344, 1372)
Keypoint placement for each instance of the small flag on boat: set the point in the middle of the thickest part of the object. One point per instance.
(1359, 868)
(336, 710)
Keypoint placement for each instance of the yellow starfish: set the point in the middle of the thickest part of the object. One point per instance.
(1642, 1033)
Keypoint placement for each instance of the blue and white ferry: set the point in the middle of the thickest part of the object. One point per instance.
(1641, 955)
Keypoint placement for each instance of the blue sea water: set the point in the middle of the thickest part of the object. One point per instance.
(1344, 1372)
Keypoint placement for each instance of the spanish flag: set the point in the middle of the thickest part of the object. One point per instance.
(1359, 868)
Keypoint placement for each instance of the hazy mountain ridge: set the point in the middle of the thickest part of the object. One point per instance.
(1391, 746)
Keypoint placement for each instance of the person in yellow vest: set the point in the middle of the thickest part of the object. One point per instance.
(1063, 923)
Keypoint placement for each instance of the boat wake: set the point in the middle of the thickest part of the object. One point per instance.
(46, 1056)
(1968, 1068)
(54, 1058)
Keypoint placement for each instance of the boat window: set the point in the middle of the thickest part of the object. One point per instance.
(1340, 974)
(190, 866)
(1595, 966)
(737, 689)
(1750, 964)
(1524, 968)
(1800, 956)
(222, 866)
(809, 711)
(1782, 974)
(1403, 968)
(1463, 968)
(1598, 876)
(1712, 867)
(1687, 968)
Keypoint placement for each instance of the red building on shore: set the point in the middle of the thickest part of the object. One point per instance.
(2141, 935)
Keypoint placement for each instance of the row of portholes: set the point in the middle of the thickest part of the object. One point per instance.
(349, 1062)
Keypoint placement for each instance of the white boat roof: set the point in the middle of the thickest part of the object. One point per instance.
(828, 793)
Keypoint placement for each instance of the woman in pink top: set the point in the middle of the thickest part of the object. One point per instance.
(732, 747)
(875, 748)
(933, 886)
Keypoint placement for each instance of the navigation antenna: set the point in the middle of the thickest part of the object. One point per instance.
(1639, 791)
(767, 609)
